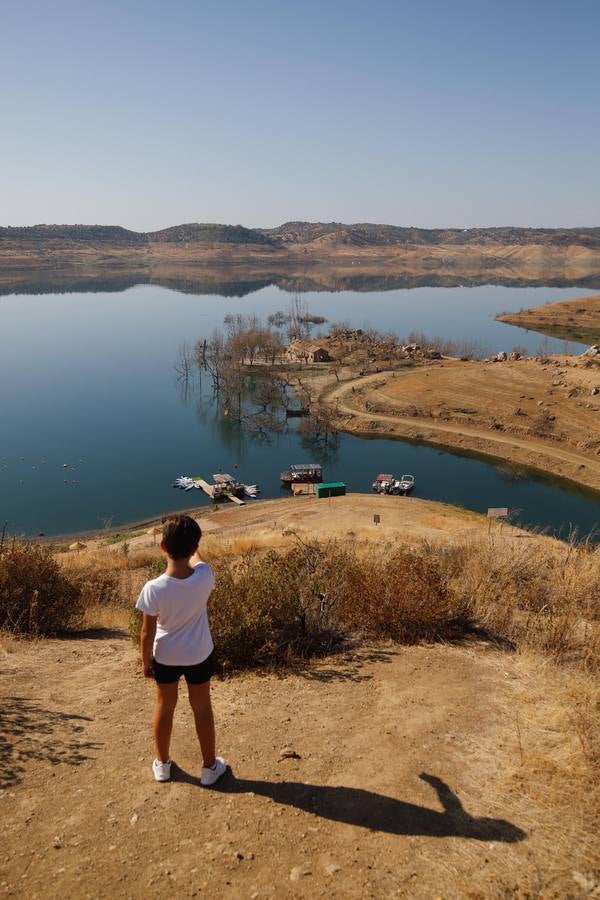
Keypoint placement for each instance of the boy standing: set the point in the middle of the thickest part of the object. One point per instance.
(176, 641)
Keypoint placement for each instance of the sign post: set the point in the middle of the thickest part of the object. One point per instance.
(496, 512)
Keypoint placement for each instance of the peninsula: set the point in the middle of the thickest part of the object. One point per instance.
(571, 320)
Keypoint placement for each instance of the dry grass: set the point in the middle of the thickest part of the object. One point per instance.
(36, 596)
(557, 766)
(544, 598)
(214, 547)
(111, 618)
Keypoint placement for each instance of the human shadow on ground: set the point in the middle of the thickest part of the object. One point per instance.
(347, 665)
(30, 732)
(366, 809)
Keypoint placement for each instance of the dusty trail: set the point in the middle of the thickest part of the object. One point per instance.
(353, 816)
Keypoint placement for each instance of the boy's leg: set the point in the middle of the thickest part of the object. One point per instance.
(166, 701)
(199, 695)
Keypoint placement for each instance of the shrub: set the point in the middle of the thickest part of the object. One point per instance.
(36, 596)
(545, 598)
(135, 625)
(303, 601)
(275, 607)
(98, 586)
(402, 594)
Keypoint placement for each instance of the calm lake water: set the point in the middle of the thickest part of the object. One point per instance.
(88, 379)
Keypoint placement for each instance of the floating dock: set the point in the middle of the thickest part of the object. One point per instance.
(209, 490)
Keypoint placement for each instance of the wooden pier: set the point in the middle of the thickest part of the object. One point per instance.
(209, 489)
(206, 487)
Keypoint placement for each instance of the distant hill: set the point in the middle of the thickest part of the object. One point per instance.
(326, 253)
(367, 234)
(107, 234)
(303, 233)
(114, 234)
(218, 234)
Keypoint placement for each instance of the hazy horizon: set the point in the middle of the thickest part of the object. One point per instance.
(432, 115)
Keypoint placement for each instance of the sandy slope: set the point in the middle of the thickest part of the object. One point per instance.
(274, 522)
(423, 772)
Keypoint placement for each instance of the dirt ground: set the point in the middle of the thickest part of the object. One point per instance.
(445, 771)
(528, 412)
(420, 772)
(274, 523)
(408, 518)
(572, 320)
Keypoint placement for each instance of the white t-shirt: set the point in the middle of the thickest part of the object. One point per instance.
(182, 632)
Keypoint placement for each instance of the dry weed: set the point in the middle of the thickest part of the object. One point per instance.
(36, 597)
(544, 597)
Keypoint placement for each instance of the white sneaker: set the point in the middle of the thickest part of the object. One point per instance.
(212, 774)
(162, 770)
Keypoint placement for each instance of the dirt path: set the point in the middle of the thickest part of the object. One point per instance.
(410, 780)
(540, 454)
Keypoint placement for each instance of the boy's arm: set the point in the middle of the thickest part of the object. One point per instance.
(147, 643)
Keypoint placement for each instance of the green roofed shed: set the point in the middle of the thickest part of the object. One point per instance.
(331, 489)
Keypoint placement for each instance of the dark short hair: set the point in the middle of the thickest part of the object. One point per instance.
(181, 536)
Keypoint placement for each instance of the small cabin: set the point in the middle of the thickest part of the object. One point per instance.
(307, 352)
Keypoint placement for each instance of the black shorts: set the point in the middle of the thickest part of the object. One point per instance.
(198, 674)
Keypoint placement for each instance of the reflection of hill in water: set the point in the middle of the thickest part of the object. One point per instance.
(239, 282)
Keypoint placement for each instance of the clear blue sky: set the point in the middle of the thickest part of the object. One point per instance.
(147, 113)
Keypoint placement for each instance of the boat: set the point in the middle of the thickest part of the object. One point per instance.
(185, 483)
(226, 486)
(296, 413)
(384, 483)
(404, 485)
(302, 473)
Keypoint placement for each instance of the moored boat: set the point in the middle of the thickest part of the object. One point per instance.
(225, 486)
(302, 473)
(384, 483)
(404, 485)
(185, 483)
